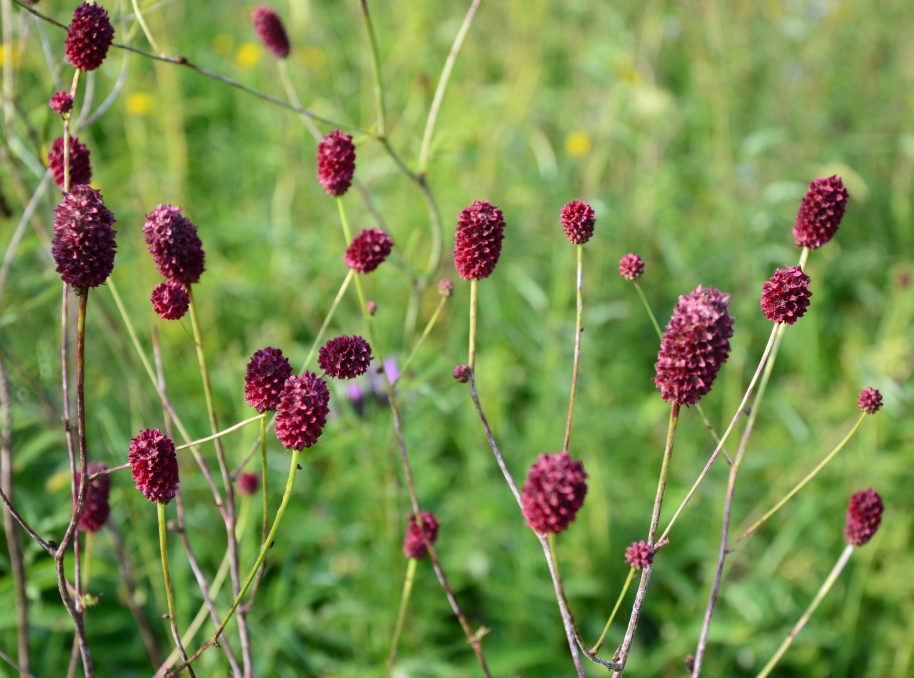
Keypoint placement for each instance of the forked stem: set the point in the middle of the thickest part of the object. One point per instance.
(612, 616)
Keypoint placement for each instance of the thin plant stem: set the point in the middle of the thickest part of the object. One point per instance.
(230, 429)
(812, 474)
(142, 22)
(169, 593)
(651, 541)
(647, 307)
(612, 615)
(375, 69)
(471, 361)
(767, 359)
(292, 96)
(290, 482)
(579, 329)
(265, 527)
(229, 514)
(794, 632)
(401, 616)
(442, 87)
(564, 611)
(422, 338)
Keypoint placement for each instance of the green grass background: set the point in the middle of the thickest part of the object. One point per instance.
(692, 128)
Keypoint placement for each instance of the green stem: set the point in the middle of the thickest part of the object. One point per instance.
(142, 22)
(647, 307)
(169, 592)
(292, 95)
(320, 334)
(240, 424)
(401, 616)
(473, 301)
(265, 480)
(826, 586)
(812, 474)
(612, 615)
(425, 333)
(579, 329)
(375, 68)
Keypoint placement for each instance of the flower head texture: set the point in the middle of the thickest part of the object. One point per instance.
(267, 373)
(271, 31)
(89, 36)
(97, 507)
(368, 250)
(477, 247)
(345, 357)
(554, 492)
(80, 167)
(446, 288)
(154, 465)
(302, 412)
(695, 345)
(870, 400)
(174, 245)
(785, 297)
(61, 103)
(578, 221)
(248, 483)
(631, 267)
(820, 214)
(170, 300)
(83, 245)
(462, 373)
(639, 555)
(336, 163)
(413, 543)
(864, 513)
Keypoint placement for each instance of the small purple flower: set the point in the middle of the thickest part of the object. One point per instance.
(631, 267)
(170, 300)
(554, 492)
(462, 373)
(271, 31)
(864, 514)
(336, 163)
(639, 555)
(870, 400)
(61, 102)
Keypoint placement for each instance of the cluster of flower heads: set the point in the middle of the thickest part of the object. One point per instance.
(83, 245)
(553, 492)
(154, 465)
(271, 31)
(864, 514)
(368, 250)
(89, 36)
(694, 347)
(80, 166)
(97, 507)
(414, 545)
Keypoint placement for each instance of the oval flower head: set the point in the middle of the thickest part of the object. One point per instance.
(477, 246)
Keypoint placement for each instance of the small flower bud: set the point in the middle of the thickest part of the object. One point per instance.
(462, 373)
(631, 267)
(61, 102)
(414, 543)
(870, 400)
(639, 555)
(578, 221)
(271, 31)
(446, 288)
(170, 300)
(97, 507)
(248, 483)
(368, 250)
(371, 307)
(554, 492)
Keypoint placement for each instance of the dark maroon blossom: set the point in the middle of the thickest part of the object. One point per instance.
(694, 347)
(554, 492)
(271, 31)
(336, 163)
(578, 221)
(97, 507)
(302, 412)
(80, 167)
(170, 300)
(631, 267)
(89, 36)
(83, 245)
(477, 247)
(820, 214)
(785, 297)
(870, 400)
(154, 465)
(414, 544)
(864, 514)
(345, 357)
(174, 245)
(368, 250)
(61, 102)
(248, 483)
(639, 555)
(266, 377)
(462, 373)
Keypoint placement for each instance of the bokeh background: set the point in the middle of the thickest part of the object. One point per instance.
(692, 127)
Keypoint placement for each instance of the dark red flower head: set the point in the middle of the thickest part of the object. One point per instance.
(89, 36)
(414, 544)
(368, 250)
(97, 507)
(62, 103)
(270, 29)
(302, 412)
(578, 221)
(870, 400)
(639, 555)
(371, 307)
(80, 167)
(248, 483)
(267, 373)
(336, 163)
(83, 244)
(174, 245)
(345, 357)
(694, 347)
(631, 267)
(154, 465)
(864, 513)
(170, 300)
(785, 297)
(446, 288)
(554, 492)
(462, 373)
(821, 211)
(477, 247)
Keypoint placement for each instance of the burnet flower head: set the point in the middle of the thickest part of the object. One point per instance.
(97, 507)
(870, 400)
(821, 212)
(785, 297)
(694, 347)
(174, 245)
(154, 465)
(345, 357)
(413, 542)
(266, 377)
(631, 266)
(83, 245)
(639, 555)
(864, 514)
(578, 221)
(271, 31)
(336, 163)
(80, 165)
(170, 300)
(89, 36)
(477, 246)
(368, 250)
(302, 413)
(553, 492)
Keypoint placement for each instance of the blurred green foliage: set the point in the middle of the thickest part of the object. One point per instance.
(692, 128)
